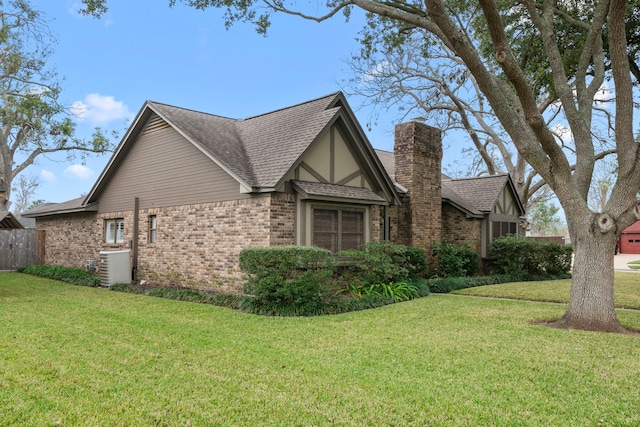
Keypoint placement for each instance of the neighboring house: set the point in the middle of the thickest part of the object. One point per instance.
(8, 221)
(630, 239)
(186, 191)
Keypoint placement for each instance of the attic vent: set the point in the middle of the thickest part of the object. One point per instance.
(155, 124)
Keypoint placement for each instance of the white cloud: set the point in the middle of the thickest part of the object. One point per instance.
(562, 132)
(78, 171)
(47, 176)
(381, 68)
(100, 109)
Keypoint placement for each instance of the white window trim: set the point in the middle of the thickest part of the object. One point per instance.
(114, 231)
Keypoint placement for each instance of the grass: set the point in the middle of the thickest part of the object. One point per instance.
(634, 265)
(84, 356)
(627, 290)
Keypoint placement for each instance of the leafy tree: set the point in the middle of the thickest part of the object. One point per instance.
(544, 220)
(471, 29)
(33, 121)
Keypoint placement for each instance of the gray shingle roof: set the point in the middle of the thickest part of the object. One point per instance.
(75, 205)
(319, 190)
(260, 150)
(476, 195)
(481, 192)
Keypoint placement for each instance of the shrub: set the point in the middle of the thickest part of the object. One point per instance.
(383, 262)
(449, 284)
(75, 276)
(455, 261)
(286, 280)
(522, 257)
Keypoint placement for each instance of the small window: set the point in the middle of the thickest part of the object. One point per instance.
(153, 226)
(337, 230)
(499, 229)
(114, 231)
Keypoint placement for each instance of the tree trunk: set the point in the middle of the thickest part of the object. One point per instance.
(591, 305)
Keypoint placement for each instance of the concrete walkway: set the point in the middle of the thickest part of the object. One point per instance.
(620, 262)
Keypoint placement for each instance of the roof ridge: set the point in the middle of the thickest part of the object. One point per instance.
(191, 110)
(331, 95)
(499, 175)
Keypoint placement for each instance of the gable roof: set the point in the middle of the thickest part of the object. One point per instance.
(258, 152)
(8, 221)
(475, 196)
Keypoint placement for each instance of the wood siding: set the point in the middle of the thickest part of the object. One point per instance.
(163, 169)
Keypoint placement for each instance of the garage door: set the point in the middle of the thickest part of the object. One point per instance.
(630, 243)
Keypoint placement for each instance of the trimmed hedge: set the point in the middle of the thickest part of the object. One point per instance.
(75, 276)
(523, 258)
(286, 280)
(448, 284)
(383, 262)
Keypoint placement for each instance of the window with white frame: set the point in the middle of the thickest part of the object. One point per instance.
(153, 228)
(338, 229)
(114, 230)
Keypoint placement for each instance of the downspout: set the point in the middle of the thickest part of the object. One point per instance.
(134, 240)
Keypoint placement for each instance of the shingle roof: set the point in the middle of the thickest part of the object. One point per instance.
(216, 134)
(75, 205)
(261, 149)
(482, 192)
(319, 190)
(475, 195)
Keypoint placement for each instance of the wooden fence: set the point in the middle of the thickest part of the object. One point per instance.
(21, 248)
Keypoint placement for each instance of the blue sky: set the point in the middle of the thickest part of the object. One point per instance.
(181, 56)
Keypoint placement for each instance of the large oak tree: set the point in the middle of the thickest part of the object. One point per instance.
(33, 122)
(512, 94)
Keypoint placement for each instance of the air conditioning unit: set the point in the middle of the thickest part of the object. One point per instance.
(115, 267)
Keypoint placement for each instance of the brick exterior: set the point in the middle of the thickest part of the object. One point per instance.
(418, 161)
(458, 229)
(196, 245)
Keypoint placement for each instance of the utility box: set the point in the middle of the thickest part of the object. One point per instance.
(115, 267)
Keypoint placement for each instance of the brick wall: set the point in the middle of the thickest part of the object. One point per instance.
(282, 213)
(72, 240)
(196, 245)
(458, 229)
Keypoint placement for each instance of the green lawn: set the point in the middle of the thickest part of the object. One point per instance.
(634, 265)
(627, 290)
(84, 356)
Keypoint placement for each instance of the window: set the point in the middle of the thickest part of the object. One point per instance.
(114, 230)
(153, 224)
(338, 230)
(502, 228)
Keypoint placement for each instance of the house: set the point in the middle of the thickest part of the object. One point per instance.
(186, 191)
(8, 221)
(630, 239)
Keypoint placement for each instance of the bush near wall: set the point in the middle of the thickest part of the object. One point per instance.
(383, 262)
(455, 261)
(522, 257)
(74, 276)
(305, 281)
(286, 280)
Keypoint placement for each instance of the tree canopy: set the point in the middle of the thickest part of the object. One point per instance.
(34, 122)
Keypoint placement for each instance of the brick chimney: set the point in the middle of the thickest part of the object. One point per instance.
(418, 161)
